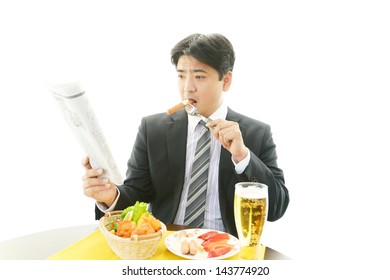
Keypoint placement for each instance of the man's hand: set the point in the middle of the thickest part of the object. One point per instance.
(96, 186)
(229, 135)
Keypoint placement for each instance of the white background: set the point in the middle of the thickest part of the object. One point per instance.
(317, 73)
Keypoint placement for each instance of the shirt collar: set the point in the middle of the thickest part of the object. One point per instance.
(220, 113)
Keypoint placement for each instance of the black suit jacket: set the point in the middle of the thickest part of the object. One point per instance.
(156, 168)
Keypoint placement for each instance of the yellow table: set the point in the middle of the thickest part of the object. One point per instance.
(95, 247)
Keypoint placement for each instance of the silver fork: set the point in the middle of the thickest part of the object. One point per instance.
(193, 111)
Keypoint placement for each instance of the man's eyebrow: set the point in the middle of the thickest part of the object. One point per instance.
(196, 70)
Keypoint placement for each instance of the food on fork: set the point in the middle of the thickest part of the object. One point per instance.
(176, 108)
(179, 106)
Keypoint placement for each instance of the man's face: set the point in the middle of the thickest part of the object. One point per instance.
(200, 82)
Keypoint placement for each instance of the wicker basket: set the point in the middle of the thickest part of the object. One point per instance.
(139, 247)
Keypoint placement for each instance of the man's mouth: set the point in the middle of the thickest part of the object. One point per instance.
(192, 101)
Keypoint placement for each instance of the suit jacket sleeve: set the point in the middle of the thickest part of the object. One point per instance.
(263, 168)
(155, 172)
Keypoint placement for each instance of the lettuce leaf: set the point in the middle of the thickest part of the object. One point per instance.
(138, 210)
(127, 210)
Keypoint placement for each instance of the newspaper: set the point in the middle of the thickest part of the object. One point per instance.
(78, 113)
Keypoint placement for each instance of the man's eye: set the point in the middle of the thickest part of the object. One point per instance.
(200, 77)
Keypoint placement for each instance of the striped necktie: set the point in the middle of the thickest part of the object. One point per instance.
(196, 198)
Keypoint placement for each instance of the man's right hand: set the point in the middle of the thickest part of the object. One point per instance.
(96, 186)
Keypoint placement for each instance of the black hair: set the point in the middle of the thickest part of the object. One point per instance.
(214, 50)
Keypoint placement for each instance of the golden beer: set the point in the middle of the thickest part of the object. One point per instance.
(250, 213)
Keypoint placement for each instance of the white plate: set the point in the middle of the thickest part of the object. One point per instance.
(173, 244)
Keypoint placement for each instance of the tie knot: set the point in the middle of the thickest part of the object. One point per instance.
(202, 123)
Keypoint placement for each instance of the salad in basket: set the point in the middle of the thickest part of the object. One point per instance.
(135, 220)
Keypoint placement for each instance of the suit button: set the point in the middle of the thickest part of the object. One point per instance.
(253, 179)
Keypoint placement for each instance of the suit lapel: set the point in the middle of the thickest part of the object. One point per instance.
(176, 137)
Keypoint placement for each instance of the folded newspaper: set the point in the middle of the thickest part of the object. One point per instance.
(79, 115)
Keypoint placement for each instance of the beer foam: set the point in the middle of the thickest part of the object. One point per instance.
(251, 191)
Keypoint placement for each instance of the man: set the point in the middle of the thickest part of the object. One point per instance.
(159, 169)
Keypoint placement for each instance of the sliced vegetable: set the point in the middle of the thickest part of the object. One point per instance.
(116, 224)
(216, 244)
(216, 237)
(128, 216)
(127, 210)
(219, 252)
(207, 235)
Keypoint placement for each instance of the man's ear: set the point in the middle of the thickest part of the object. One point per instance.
(227, 80)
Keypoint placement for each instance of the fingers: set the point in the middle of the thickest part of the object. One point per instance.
(229, 135)
(85, 162)
(91, 176)
(91, 179)
(225, 131)
(95, 185)
(106, 193)
(91, 190)
(91, 173)
(95, 182)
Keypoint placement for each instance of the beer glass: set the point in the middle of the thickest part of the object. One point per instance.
(250, 213)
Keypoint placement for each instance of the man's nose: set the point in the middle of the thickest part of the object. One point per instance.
(189, 85)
